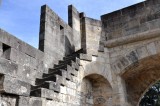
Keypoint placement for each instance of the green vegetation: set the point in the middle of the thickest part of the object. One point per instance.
(152, 96)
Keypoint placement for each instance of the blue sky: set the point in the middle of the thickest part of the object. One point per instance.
(21, 17)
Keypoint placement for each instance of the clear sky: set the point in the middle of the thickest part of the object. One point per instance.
(21, 17)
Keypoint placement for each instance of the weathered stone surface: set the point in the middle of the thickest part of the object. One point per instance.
(13, 86)
(9, 39)
(46, 93)
(23, 101)
(91, 32)
(109, 68)
(66, 41)
(27, 74)
(8, 100)
(74, 22)
(1, 49)
(36, 101)
(31, 101)
(8, 67)
(85, 57)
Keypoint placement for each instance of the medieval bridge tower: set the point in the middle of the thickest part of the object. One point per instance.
(87, 62)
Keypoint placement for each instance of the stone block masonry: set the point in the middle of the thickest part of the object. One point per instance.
(87, 62)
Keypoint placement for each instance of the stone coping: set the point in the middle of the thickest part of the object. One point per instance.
(132, 38)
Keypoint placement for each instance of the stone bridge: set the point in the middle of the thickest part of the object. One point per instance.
(87, 62)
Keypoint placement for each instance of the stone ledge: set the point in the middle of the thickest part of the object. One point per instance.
(132, 38)
(12, 85)
(86, 57)
(8, 67)
(46, 93)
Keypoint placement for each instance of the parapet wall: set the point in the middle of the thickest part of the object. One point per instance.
(18, 59)
(131, 20)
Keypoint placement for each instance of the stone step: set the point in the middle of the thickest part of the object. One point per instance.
(45, 93)
(72, 63)
(71, 57)
(85, 57)
(57, 68)
(75, 73)
(43, 85)
(52, 72)
(73, 78)
(64, 73)
(65, 62)
(56, 78)
(68, 77)
(77, 52)
(77, 61)
(60, 72)
(48, 85)
(54, 86)
(75, 65)
(72, 71)
(62, 64)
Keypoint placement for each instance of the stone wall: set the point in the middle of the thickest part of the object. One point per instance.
(131, 20)
(118, 53)
(19, 59)
(133, 62)
(57, 38)
(91, 32)
(130, 38)
(20, 65)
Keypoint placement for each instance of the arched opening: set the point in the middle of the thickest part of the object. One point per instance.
(140, 76)
(151, 96)
(97, 91)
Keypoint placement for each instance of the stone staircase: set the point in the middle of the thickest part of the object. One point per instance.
(49, 85)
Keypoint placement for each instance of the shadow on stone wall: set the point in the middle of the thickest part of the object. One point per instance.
(69, 48)
(138, 79)
(97, 90)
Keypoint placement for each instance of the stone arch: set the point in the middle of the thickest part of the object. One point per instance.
(140, 75)
(97, 90)
(147, 90)
(90, 68)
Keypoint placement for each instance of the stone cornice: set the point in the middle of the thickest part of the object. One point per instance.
(133, 38)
